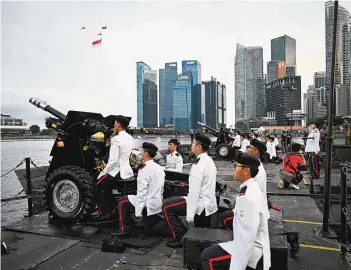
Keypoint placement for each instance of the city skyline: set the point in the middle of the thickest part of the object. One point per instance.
(58, 60)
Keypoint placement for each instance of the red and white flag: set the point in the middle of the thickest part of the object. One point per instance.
(96, 43)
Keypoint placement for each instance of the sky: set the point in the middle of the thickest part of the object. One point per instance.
(45, 54)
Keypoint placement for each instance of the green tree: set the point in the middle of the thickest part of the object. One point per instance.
(48, 132)
(34, 129)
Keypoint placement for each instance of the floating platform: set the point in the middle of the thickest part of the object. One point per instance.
(34, 243)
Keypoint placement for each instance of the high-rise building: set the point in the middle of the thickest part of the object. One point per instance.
(275, 70)
(249, 95)
(182, 104)
(310, 108)
(198, 107)
(216, 104)
(161, 91)
(320, 102)
(281, 100)
(319, 79)
(195, 67)
(342, 74)
(168, 80)
(284, 49)
(146, 96)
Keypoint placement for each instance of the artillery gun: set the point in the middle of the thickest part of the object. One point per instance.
(224, 141)
(79, 154)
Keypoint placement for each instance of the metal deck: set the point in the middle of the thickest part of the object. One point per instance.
(35, 244)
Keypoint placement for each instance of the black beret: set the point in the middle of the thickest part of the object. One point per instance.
(259, 145)
(122, 120)
(248, 160)
(149, 146)
(174, 141)
(203, 138)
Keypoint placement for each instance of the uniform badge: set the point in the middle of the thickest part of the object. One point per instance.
(241, 213)
(177, 154)
(243, 191)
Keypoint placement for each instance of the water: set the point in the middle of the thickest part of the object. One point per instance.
(13, 152)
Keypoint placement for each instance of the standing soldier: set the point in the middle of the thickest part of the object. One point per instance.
(201, 203)
(118, 167)
(256, 148)
(148, 201)
(250, 248)
(312, 149)
(236, 143)
(174, 159)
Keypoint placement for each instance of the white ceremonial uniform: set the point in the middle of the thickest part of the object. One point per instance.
(202, 188)
(312, 145)
(236, 142)
(174, 162)
(244, 144)
(261, 180)
(118, 161)
(250, 230)
(276, 142)
(150, 182)
(271, 149)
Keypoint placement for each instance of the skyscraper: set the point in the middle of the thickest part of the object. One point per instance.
(166, 93)
(319, 79)
(249, 95)
(146, 96)
(195, 67)
(161, 79)
(275, 70)
(182, 102)
(343, 55)
(284, 49)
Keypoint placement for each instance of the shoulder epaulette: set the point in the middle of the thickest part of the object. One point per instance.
(243, 191)
(197, 161)
(141, 166)
(177, 154)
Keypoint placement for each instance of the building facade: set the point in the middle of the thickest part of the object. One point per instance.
(249, 95)
(147, 115)
(319, 79)
(284, 49)
(342, 81)
(195, 67)
(182, 103)
(275, 70)
(281, 100)
(166, 94)
(198, 107)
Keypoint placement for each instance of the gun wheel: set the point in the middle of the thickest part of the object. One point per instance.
(223, 151)
(69, 194)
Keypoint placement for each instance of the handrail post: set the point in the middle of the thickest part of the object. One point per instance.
(343, 207)
(29, 188)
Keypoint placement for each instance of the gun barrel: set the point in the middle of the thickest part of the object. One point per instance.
(45, 107)
(208, 127)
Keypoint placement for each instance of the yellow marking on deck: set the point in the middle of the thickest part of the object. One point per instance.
(319, 247)
(304, 181)
(302, 221)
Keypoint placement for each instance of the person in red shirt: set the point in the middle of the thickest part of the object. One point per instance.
(292, 163)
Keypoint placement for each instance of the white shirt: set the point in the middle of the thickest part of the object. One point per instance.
(118, 161)
(271, 149)
(244, 144)
(150, 182)
(236, 142)
(174, 162)
(202, 188)
(312, 145)
(276, 142)
(261, 180)
(250, 229)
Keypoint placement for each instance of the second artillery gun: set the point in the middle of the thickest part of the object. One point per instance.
(223, 143)
(79, 154)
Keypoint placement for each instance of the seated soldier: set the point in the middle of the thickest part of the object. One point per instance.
(174, 159)
(201, 203)
(150, 184)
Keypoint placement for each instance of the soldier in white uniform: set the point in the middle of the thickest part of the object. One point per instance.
(236, 143)
(118, 167)
(256, 149)
(148, 201)
(250, 248)
(312, 149)
(201, 203)
(174, 159)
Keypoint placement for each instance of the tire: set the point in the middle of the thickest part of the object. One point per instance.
(78, 184)
(223, 151)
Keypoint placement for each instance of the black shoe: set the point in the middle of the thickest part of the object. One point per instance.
(119, 233)
(174, 244)
(105, 217)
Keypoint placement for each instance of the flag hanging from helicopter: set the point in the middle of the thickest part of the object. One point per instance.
(96, 43)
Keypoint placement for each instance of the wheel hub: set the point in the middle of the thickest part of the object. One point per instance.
(223, 151)
(66, 196)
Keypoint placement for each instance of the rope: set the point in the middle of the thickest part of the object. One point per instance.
(32, 162)
(13, 197)
(14, 168)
